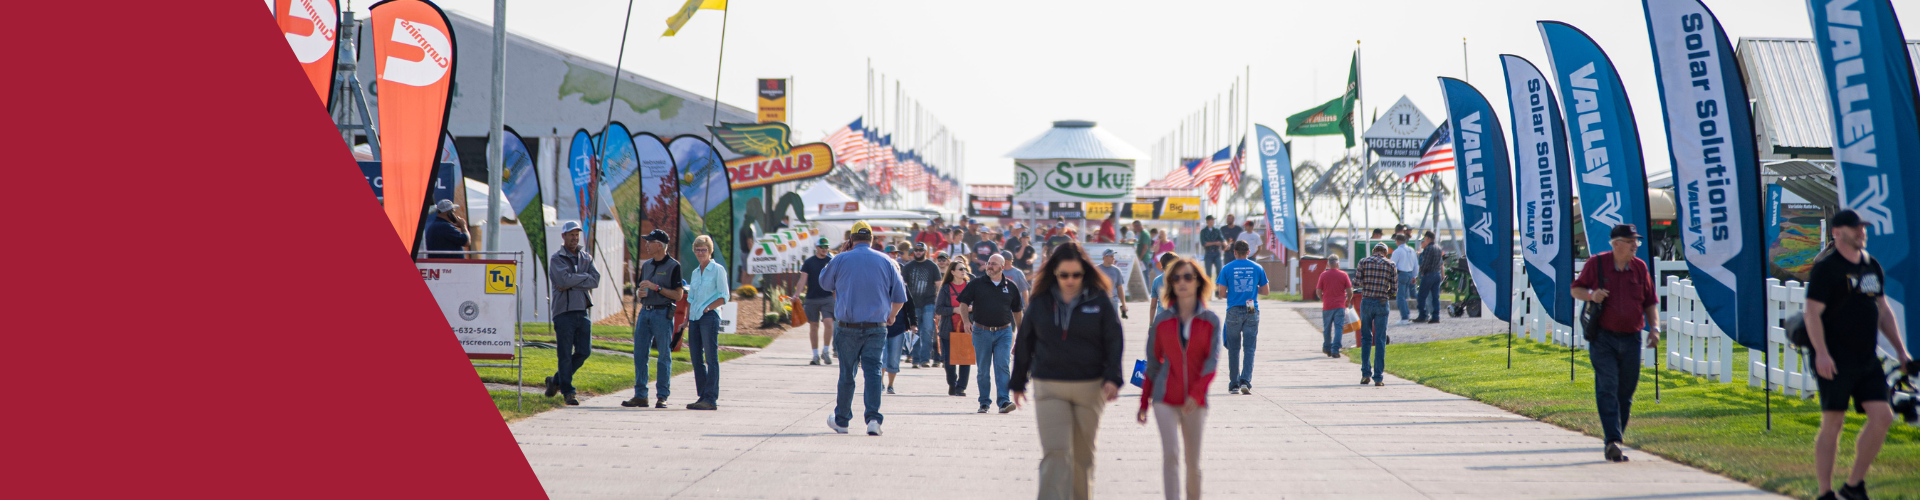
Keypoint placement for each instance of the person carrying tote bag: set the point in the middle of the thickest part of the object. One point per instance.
(956, 344)
(1183, 349)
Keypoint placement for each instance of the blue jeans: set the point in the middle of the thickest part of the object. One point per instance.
(575, 337)
(1241, 333)
(1333, 323)
(890, 360)
(864, 345)
(1429, 296)
(993, 348)
(1616, 373)
(655, 328)
(1405, 292)
(1373, 337)
(923, 351)
(703, 345)
(1213, 264)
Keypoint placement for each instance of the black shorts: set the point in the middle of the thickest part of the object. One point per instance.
(1860, 383)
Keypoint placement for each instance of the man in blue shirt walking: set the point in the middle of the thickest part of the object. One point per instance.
(867, 292)
(1242, 284)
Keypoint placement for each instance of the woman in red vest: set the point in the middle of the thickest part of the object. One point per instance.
(1183, 348)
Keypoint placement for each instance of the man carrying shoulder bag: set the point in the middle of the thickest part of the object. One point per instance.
(1620, 286)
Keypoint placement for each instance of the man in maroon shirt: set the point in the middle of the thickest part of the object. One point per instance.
(1621, 285)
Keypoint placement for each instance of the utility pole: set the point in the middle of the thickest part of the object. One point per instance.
(496, 134)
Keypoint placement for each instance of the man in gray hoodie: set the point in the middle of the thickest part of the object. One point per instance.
(573, 277)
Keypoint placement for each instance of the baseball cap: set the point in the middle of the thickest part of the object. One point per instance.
(445, 206)
(862, 227)
(1380, 248)
(919, 247)
(891, 249)
(1107, 253)
(657, 235)
(569, 226)
(1845, 218)
(1624, 231)
(823, 243)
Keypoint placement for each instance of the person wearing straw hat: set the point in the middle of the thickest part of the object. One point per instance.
(571, 273)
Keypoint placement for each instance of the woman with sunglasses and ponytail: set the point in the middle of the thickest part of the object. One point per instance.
(1069, 343)
(952, 281)
(1183, 348)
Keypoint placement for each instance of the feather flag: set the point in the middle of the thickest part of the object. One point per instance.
(685, 14)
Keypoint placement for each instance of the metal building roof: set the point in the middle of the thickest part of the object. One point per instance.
(1784, 79)
(1076, 140)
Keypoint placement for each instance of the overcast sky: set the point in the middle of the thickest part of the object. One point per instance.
(998, 72)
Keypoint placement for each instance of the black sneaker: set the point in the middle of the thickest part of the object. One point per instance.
(1006, 408)
(551, 388)
(1364, 380)
(961, 393)
(1827, 496)
(1379, 382)
(639, 402)
(661, 404)
(702, 405)
(1613, 452)
(983, 409)
(1853, 491)
(571, 401)
(1434, 321)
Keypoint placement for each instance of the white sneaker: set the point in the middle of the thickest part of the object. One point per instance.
(831, 424)
(873, 428)
(1402, 323)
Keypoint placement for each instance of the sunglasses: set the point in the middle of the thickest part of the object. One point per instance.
(1069, 276)
(1184, 277)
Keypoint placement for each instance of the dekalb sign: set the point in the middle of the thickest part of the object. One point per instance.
(1073, 180)
(802, 162)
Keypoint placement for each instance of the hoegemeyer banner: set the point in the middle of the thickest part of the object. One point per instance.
(1716, 169)
(523, 193)
(1486, 197)
(1277, 171)
(312, 31)
(414, 99)
(1605, 142)
(1876, 127)
(1543, 192)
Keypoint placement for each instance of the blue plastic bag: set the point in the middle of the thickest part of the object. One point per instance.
(1139, 372)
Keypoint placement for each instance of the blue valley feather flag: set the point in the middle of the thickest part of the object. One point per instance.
(1486, 197)
(1716, 169)
(1876, 128)
(1605, 143)
(1278, 182)
(1543, 191)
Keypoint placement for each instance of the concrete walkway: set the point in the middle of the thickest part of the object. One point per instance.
(1308, 431)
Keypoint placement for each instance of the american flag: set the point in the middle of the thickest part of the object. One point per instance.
(1182, 176)
(1216, 166)
(848, 142)
(1437, 154)
(1239, 162)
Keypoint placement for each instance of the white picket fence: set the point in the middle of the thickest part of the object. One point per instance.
(1789, 370)
(1694, 344)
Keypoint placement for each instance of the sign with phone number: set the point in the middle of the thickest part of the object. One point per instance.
(478, 299)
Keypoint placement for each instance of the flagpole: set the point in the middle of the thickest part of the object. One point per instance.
(719, 63)
(594, 191)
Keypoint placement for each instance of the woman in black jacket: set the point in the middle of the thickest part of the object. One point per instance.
(1069, 342)
(954, 279)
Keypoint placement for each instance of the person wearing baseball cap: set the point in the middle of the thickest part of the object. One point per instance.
(571, 273)
(1846, 304)
(868, 293)
(1619, 283)
(446, 232)
(661, 285)
(1214, 242)
(819, 303)
(922, 277)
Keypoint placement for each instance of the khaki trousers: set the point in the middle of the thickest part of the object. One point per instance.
(1177, 428)
(1068, 415)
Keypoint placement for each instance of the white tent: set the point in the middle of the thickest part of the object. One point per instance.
(821, 193)
(534, 289)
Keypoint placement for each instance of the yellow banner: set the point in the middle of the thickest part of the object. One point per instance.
(1181, 208)
(1097, 210)
(803, 161)
(773, 100)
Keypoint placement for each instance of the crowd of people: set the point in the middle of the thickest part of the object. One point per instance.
(958, 297)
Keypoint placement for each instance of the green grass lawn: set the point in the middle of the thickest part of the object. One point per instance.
(1282, 296)
(1710, 425)
(603, 374)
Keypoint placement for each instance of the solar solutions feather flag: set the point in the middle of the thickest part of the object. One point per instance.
(1542, 190)
(1486, 197)
(1278, 178)
(1716, 169)
(1605, 142)
(413, 55)
(312, 31)
(1876, 127)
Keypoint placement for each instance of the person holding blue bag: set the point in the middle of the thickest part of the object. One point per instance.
(1069, 343)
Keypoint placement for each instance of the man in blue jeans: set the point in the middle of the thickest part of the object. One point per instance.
(867, 293)
(660, 286)
(1242, 283)
(1430, 267)
(1376, 276)
(923, 285)
(1406, 262)
(1621, 284)
(1212, 242)
(991, 305)
(573, 277)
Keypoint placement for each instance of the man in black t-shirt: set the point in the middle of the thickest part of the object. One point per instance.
(991, 304)
(922, 277)
(661, 285)
(1846, 304)
(819, 303)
